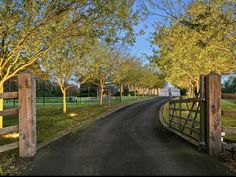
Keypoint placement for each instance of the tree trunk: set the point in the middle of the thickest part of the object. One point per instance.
(197, 86)
(120, 86)
(100, 95)
(191, 90)
(64, 101)
(134, 92)
(143, 92)
(1, 106)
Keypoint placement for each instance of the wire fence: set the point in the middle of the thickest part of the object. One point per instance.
(70, 100)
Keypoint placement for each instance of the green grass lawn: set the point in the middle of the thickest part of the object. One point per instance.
(229, 121)
(226, 121)
(51, 122)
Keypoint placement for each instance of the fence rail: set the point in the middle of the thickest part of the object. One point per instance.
(9, 95)
(228, 113)
(9, 112)
(228, 96)
(9, 147)
(10, 129)
(184, 116)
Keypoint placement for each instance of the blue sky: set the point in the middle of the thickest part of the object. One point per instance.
(142, 45)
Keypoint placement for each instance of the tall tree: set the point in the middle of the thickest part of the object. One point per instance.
(64, 65)
(98, 68)
(134, 74)
(183, 61)
(120, 70)
(199, 36)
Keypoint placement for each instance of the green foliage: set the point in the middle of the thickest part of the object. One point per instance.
(1, 171)
(29, 29)
(98, 65)
(229, 86)
(121, 67)
(200, 41)
(47, 88)
(63, 63)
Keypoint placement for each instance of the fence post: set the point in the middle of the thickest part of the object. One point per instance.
(213, 113)
(27, 114)
(202, 112)
(180, 113)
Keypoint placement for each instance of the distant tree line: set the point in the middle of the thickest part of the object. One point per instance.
(229, 86)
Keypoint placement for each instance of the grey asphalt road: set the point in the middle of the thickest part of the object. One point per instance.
(128, 142)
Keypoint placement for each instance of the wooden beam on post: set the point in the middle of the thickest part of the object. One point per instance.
(27, 114)
(213, 113)
(8, 95)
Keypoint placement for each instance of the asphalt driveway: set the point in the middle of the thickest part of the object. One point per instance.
(129, 142)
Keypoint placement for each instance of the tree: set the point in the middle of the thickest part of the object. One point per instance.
(29, 29)
(64, 64)
(229, 85)
(98, 68)
(214, 20)
(120, 70)
(183, 61)
(199, 36)
(134, 73)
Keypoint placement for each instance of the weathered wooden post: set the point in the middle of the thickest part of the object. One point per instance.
(109, 98)
(203, 112)
(213, 113)
(27, 114)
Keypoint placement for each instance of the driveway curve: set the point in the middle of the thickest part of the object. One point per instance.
(128, 142)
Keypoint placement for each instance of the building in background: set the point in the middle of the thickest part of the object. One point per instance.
(166, 91)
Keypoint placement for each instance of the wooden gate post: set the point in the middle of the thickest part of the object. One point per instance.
(203, 112)
(27, 114)
(213, 113)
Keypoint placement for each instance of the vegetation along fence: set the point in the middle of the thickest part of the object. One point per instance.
(27, 116)
(226, 130)
(227, 113)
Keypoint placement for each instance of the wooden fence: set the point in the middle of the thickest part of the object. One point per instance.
(26, 114)
(184, 116)
(15, 128)
(198, 120)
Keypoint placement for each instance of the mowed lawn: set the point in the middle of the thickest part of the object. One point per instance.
(226, 121)
(229, 121)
